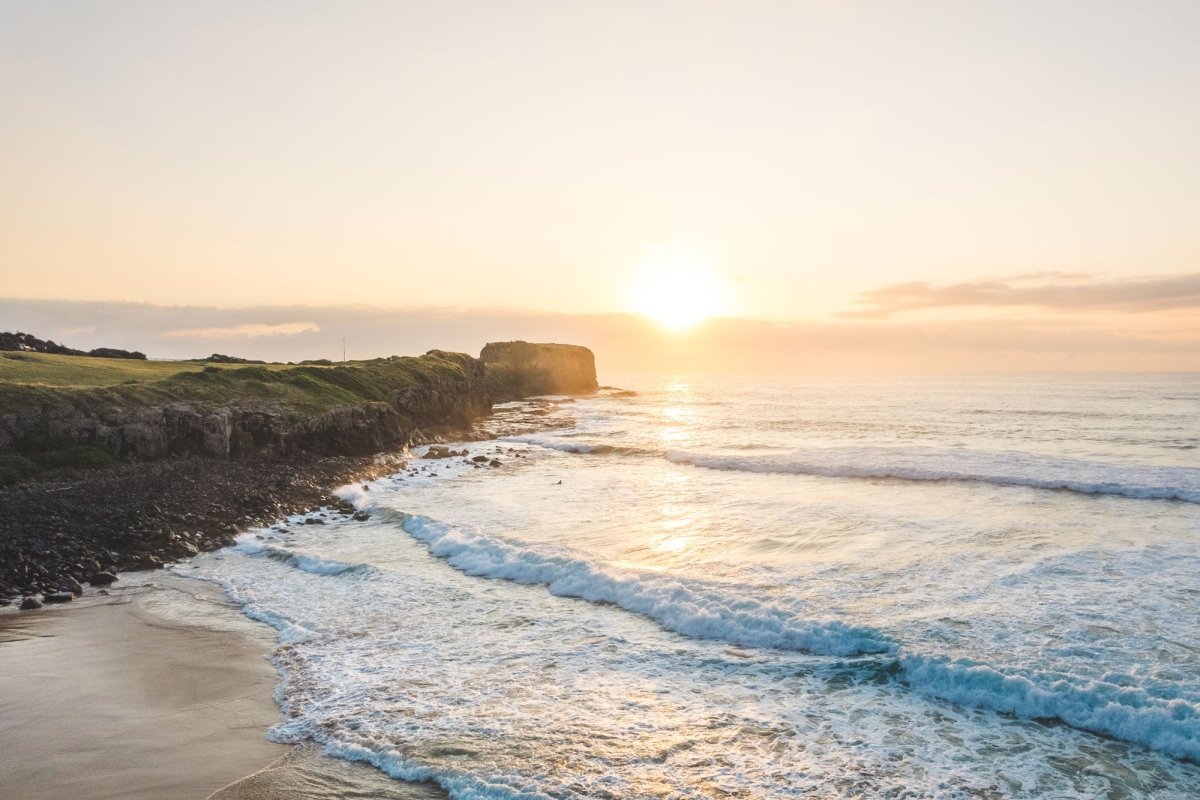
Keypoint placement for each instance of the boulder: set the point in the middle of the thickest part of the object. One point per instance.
(30, 603)
(58, 597)
(102, 579)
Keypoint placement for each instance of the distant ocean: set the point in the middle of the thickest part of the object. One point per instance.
(978, 587)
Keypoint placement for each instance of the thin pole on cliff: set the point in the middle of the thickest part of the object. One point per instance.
(343, 349)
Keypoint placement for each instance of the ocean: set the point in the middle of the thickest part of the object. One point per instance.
(704, 587)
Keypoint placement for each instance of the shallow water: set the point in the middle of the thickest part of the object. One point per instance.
(968, 588)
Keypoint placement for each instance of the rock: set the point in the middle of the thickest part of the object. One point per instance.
(102, 579)
(362, 516)
(184, 550)
(314, 521)
(4, 601)
(58, 597)
(30, 603)
(494, 463)
(149, 561)
(480, 459)
(70, 585)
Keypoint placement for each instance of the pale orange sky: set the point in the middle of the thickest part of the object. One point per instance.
(536, 155)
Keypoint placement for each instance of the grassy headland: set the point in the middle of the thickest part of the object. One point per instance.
(45, 369)
(38, 378)
(65, 412)
(199, 450)
(47, 388)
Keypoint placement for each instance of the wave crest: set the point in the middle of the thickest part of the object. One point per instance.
(1169, 725)
(931, 464)
(702, 612)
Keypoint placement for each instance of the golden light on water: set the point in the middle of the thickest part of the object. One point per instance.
(677, 287)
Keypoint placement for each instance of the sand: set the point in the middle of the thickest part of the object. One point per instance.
(105, 701)
(159, 691)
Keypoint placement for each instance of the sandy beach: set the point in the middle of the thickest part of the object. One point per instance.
(134, 696)
(109, 701)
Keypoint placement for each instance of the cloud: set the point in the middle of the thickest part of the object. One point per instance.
(628, 344)
(1050, 290)
(248, 330)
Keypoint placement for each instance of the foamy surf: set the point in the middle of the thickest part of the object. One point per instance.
(930, 464)
(690, 608)
(1169, 725)
(252, 545)
(869, 639)
(578, 446)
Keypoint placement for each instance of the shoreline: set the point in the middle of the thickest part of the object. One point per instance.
(138, 695)
(114, 701)
(58, 535)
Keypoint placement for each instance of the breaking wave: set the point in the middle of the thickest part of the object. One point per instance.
(693, 609)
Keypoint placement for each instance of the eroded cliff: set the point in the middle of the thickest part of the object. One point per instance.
(255, 413)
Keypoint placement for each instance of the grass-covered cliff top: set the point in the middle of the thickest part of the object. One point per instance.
(39, 380)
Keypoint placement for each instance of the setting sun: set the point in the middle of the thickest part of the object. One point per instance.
(677, 288)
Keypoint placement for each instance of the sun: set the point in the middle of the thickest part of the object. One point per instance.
(678, 288)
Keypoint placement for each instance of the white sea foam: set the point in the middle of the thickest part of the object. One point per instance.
(688, 607)
(991, 606)
(579, 446)
(253, 546)
(935, 464)
(1169, 725)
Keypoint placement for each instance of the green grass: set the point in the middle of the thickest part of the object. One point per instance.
(54, 386)
(43, 369)
(102, 384)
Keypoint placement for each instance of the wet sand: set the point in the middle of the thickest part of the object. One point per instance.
(159, 691)
(106, 701)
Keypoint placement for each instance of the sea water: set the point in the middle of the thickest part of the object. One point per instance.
(719, 588)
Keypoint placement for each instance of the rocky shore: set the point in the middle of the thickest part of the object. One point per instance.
(57, 536)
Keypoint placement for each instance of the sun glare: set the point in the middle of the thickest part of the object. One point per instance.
(677, 288)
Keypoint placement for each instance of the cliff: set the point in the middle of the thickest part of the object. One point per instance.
(521, 369)
(263, 413)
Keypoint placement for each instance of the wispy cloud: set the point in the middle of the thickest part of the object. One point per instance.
(250, 330)
(1050, 290)
(629, 343)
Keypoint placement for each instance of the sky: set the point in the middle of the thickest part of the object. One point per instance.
(833, 180)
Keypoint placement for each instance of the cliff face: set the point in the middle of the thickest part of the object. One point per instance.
(254, 414)
(521, 369)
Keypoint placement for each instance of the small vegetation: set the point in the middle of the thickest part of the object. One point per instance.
(94, 384)
(45, 369)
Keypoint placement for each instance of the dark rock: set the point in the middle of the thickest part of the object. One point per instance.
(480, 459)
(314, 521)
(102, 579)
(184, 550)
(58, 597)
(362, 516)
(30, 603)
(494, 463)
(70, 585)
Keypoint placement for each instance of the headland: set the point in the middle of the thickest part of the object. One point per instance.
(115, 464)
